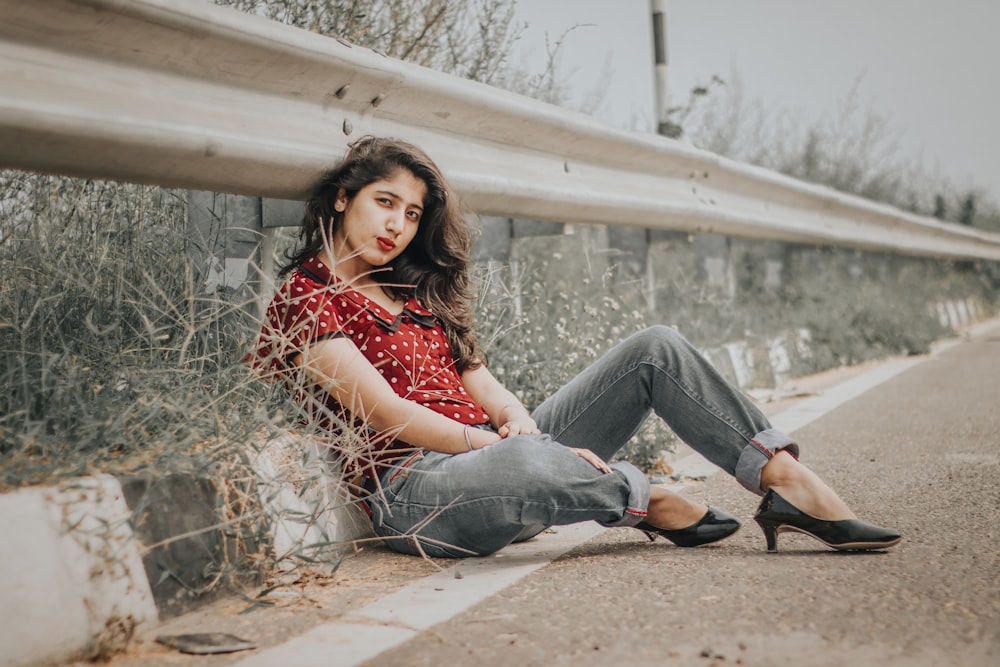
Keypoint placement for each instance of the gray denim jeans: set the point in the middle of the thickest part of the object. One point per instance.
(476, 503)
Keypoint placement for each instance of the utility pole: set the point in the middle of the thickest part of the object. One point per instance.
(660, 93)
(713, 257)
(658, 11)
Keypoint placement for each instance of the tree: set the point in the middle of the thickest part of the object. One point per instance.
(677, 115)
(967, 215)
(940, 209)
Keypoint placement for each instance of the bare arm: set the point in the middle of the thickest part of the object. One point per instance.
(338, 366)
(506, 413)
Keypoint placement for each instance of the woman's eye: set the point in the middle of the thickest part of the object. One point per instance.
(413, 215)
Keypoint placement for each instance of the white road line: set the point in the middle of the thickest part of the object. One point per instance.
(341, 644)
(810, 409)
(383, 624)
(440, 596)
(386, 623)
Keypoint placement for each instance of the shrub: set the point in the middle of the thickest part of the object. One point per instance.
(111, 355)
(545, 319)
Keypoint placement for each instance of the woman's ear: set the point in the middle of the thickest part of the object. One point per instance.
(340, 203)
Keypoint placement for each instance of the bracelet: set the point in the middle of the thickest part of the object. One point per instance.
(468, 440)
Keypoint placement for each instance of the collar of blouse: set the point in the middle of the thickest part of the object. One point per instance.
(317, 272)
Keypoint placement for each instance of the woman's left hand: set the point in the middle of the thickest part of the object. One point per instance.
(523, 426)
(591, 458)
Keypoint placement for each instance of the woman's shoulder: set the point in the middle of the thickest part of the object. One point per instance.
(303, 294)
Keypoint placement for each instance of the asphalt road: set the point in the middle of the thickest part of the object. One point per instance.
(920, 452)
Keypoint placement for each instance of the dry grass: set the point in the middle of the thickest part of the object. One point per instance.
(111, 355)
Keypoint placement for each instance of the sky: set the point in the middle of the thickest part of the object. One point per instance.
(927, 66)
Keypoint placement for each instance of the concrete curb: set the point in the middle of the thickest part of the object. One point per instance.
(309, 509)
(72, 581)
(774, 361)
(96, 560)
(770, 363)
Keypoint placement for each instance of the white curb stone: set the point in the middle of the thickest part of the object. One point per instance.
(942, 314)
(309, 506)
(741, 357)
(781, 361)
(72, 581)
(953, 316)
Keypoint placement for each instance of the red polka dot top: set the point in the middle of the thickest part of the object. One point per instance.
(410, 350)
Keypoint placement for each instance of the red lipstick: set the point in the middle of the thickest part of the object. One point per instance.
(386, 244)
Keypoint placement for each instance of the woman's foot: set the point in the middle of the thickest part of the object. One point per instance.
(776, 515)
(803, 488)
(685, 522)
(671, 511)
(715, 525)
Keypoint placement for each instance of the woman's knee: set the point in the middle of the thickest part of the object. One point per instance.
(532, 460)
(660, 340)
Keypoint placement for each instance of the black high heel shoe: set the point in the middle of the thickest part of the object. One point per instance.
(777, 515)
(712, 527)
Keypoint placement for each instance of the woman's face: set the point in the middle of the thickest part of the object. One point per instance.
(378, 223)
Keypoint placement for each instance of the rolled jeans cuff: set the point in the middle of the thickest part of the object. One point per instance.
(755, 456)
(638, 496)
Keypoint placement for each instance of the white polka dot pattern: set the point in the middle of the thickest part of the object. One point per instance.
(411, 348)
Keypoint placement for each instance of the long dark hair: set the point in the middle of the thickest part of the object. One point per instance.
(434, 267)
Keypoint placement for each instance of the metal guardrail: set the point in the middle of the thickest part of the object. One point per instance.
(188, 94)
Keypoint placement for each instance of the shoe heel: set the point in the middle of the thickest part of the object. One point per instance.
(770, 533)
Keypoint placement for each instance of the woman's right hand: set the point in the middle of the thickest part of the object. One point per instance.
(524, 426)
(482, 438)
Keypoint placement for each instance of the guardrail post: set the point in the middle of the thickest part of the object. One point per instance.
(775, 263)
(855, 264)
(226, 233)
(492, 252)
(714, 265)
(494, 240)
(632, 252)
(275, 213)
(630, 256)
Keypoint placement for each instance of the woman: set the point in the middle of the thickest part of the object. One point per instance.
(373, 325)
